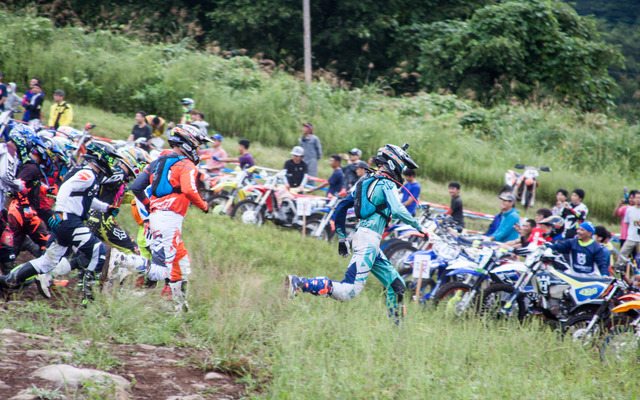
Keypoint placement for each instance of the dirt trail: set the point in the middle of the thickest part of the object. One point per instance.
(156, 372)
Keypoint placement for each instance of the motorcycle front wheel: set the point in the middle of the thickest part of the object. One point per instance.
(248, 212)
(495, 297)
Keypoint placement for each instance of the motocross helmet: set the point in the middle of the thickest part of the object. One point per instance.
(395, 159)
(188, 103)
(20, 136)
(103, 156)
(186, 138)
(39, 148)
(556, 223)
(134, 158)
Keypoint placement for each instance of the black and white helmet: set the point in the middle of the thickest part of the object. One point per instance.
(187, 139)
(396, 160)
(556, 223)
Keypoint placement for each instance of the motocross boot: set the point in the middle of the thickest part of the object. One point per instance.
(18, 276)
(318, 286)
(179, 295)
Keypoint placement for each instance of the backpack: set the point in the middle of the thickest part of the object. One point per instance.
(161, 186)
(362, 205)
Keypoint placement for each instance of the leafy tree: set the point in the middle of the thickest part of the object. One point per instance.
(518, 49)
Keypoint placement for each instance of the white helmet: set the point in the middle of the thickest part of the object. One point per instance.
(297, 151)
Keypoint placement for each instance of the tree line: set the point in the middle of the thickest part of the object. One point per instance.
(493, 51)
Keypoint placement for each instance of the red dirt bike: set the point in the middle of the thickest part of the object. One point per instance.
(274, 202)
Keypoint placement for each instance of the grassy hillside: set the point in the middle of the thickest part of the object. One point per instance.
(313, 348)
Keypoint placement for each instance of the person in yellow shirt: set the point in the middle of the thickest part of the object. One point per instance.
(157, 124)
(61, 113)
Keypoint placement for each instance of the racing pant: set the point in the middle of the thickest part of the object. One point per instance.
(89, 251)
(368, 258)
(71, 232)
(110, 232)
(169, 258)
(23, 222)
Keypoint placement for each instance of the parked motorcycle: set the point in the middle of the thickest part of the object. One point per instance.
(555, 293)
(523, 186)
(274, 202)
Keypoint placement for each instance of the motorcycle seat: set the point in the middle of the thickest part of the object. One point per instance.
(587, 278)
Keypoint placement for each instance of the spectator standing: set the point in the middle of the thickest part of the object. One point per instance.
(61, 113)
(574, 213)
(188, 104)
(509, 217)
(632, 218)
(336, 180)
(35, 105)
(296, 168)
(603, 237)
(246, 159)
(13, 100)
(620, 211)
(158, 125)
(410, 191)
(561, 201)
(27, 98)
(141, 130)
(3, 93)
(361, 169)
(349, 170)
(213, 166)
(197, 119)
(456, 210)
(312, 149)
(525, 235)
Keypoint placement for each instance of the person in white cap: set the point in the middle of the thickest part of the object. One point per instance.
(296, 168)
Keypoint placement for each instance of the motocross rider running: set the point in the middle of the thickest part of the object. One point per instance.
(367, 256)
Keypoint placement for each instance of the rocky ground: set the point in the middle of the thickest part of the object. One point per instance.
(32, 368)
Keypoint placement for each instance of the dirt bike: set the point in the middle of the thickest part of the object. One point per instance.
(491, 265)
(274, 202)
(543, 288)
(589, 326)
(226, 191)
(621, 340)
(319, 224)
(523, 186)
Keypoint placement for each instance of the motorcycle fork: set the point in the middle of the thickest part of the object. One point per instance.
(524, 279)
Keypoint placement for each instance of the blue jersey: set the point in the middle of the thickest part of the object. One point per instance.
(584, 257)
(414, 189)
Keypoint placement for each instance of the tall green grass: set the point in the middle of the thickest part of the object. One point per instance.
(450, 139)
(315, 348)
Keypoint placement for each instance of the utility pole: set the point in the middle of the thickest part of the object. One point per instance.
(307, 41)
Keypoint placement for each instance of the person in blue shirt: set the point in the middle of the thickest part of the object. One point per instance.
(510, 217)
(584, 253)
(336, 181)
(411, 187)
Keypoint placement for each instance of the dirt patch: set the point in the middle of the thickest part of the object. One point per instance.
(155, 372)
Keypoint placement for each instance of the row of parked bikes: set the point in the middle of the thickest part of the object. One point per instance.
(466, 276)
(256, 195)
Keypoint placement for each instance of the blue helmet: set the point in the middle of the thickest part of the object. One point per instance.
(21, 135)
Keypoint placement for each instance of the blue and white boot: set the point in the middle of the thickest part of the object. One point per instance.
(318, 286)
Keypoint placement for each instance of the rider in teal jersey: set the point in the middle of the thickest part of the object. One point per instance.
(380, 190)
